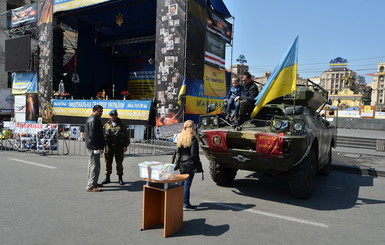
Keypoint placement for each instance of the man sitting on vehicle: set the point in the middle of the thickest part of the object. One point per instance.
(249, 92)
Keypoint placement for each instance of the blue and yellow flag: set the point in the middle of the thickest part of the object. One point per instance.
(182, 92)
(282, 81)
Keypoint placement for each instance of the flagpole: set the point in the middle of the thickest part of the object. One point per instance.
(295, 95)
(296, 72)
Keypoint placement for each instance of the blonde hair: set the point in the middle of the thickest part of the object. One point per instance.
(184, 139)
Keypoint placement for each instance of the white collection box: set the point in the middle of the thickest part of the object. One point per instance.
(157, 170)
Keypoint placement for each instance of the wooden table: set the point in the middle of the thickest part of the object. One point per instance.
(164, 206)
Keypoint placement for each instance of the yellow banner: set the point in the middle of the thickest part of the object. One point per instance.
(214, 82)
(197, 105)
(63, 5)
(85, 112)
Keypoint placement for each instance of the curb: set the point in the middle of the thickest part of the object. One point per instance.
(358, 170)
(361, 151)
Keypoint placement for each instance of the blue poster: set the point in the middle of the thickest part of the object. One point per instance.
(24, 82)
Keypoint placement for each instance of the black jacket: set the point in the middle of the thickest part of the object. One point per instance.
(189, 158)
(249, 92)
(94, 133)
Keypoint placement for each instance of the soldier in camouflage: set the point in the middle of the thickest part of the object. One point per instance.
(117, 140)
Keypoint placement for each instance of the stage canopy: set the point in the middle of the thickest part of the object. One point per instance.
(115, 18)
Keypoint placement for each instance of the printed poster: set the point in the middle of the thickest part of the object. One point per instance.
(33, 136)
(45, 43)
(24, 82)
(218, 25)
(23, 16)
(169, 60)
(214, 82)
(215, 50)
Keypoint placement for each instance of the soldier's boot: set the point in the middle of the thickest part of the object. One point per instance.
(106, 180)
(121, 180)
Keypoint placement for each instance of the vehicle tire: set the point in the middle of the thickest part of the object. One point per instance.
(222, 176)
(325, 171)
(302, 177)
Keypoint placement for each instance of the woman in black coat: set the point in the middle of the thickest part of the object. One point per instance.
(189, 162)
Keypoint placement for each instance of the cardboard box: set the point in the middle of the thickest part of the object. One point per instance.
(157, 170)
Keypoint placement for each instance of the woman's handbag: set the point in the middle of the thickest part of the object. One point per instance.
(175, 159)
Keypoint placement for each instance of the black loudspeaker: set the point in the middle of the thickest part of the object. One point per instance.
(18, 54)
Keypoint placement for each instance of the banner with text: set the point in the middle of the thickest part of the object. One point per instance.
(215, 49)
(214, 82)
(25, 82)
(127, 109)
(34, 136)
(63, 5)
(197, 105)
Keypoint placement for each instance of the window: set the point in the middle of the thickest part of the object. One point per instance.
(381, 69)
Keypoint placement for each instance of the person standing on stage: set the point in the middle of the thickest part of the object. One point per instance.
(95, 146)
(117, 140)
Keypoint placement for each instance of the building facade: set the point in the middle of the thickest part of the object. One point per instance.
(343, 84)
(336, 79)
(346, 98)
(378, 95)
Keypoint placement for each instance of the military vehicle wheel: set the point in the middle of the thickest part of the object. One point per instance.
(222, 176)
(325, 171)
(302, 177)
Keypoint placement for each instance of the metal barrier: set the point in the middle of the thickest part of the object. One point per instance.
(143, 142)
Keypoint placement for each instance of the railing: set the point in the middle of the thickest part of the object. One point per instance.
(71, 141)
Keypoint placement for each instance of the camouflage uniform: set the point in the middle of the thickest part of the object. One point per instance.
(117, 137)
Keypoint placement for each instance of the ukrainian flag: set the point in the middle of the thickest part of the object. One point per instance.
(282, 81)
(182, 92)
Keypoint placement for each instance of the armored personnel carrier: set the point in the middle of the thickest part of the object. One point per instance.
(288, 136)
